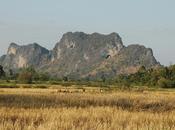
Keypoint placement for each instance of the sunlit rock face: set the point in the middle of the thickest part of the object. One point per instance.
(81, 55)
(22, 62)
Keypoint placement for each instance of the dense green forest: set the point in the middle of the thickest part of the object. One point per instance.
(163, 77)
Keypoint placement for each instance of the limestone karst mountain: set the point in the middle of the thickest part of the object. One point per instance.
(23, 56)
(80, 55)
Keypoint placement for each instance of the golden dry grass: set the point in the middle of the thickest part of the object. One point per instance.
(50, 109)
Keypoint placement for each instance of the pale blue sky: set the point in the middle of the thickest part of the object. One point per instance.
(147, 22)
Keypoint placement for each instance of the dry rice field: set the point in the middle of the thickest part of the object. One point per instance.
(53, 109)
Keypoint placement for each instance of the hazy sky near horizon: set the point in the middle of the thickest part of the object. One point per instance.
(147, 22)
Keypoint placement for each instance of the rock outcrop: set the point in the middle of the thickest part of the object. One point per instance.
(24, 56)
(80, 55)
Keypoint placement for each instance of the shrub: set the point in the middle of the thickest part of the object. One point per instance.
(166, 83)
(25, 77)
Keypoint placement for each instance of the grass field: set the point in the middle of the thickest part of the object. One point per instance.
(86, 109)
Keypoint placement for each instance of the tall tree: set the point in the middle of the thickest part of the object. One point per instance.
(2, 73)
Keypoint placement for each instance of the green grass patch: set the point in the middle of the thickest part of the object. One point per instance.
(9, 86)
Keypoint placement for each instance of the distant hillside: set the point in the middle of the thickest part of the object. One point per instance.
(80, 55)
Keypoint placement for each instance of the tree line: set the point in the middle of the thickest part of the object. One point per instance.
(161, 76)
(25, 75)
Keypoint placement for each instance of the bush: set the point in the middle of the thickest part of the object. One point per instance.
(44, 77)
(166, 83)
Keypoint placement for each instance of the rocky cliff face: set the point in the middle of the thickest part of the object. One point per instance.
(24, 56)
(80, 55)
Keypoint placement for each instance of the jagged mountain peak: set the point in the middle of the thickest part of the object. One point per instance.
(12, 49)
(19, 56)
(80, 43)
(13, 44)
(82, 35)
(79, 55)
(94, 38)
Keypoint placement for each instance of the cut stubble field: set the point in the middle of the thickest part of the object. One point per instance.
(54, 109)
